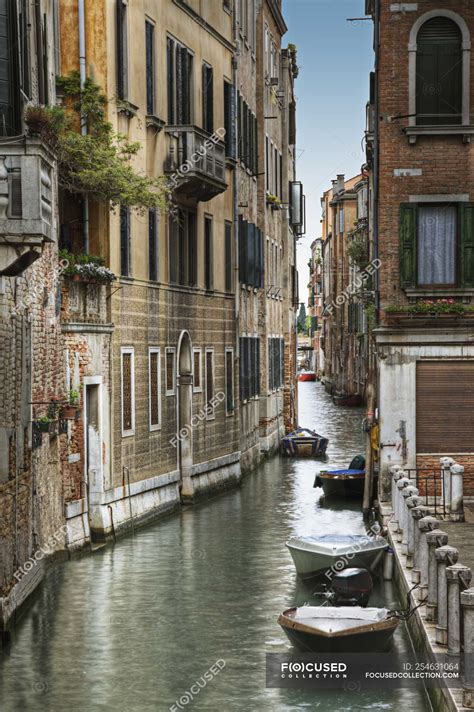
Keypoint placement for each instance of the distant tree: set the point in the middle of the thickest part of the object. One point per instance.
(301, 321)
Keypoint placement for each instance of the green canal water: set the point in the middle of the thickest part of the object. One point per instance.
(133, 626)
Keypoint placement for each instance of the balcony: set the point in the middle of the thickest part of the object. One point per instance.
(195, 163)
(26, 203)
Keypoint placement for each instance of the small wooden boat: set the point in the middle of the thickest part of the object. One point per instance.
(313, 555)
(351, 400)
(306, 376)
(303, 442)
(341, 483)
(345, 629)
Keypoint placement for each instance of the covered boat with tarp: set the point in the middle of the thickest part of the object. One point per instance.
(303, 442)
(343, 483)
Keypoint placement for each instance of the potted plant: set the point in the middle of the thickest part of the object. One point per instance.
(38, 119)
(273, 201)
(69, 411)
(44, 424)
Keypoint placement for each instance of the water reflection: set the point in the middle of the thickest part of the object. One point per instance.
(130, 628)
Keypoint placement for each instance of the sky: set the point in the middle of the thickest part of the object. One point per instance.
(335, 58)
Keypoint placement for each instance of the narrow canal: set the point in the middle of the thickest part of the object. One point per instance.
(130, 628)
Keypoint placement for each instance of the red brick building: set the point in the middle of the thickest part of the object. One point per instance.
(424, 231)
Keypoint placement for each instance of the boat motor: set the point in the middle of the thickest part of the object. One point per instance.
(351, 587)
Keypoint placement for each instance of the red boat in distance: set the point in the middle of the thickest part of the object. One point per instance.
(306, 376)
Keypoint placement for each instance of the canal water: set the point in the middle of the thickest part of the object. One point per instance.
(133, 626)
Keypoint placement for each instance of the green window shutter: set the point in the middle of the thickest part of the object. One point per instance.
(467, 245)
(408, 215)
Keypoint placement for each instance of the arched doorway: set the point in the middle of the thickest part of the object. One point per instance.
(184, 412)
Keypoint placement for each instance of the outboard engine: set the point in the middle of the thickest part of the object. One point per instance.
(351, 587)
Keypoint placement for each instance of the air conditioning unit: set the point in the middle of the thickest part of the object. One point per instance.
(273, 81)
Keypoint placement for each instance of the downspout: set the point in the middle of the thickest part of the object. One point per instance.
(82, 75)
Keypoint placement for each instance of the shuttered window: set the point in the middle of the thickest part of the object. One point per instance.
(437, 245)
(154, 388)
(249, 372)
(229, 381)
(152, 245)
(247, 127)
(197, 370)
(251, 256)
(439, 73)
(170, 371)
(128, 391)
(182, 248)
(9, 76)
(124, 241)
(210, 380)
(276, 354)
(229, 119)
(150, 67)
(208, 254)
(229, 266)
(122, 50)
(445, 407)
(179, 81)
(207, 98)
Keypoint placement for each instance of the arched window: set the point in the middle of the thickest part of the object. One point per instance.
(439, 73)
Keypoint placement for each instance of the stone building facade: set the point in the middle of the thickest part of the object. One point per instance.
(316, 306)
(31, 363)
(424, 232)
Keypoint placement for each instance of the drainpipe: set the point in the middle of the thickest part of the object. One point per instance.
(235, 194)
(82, 74)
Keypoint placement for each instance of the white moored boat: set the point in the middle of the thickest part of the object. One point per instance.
(312, 555)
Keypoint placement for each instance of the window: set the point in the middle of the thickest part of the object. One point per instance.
(122, 50)
(440, 429)
(439, 72)
(251, 257)
(247, 136)
(210, 381)
(341, 220)
(437, 245)
(179, 69)
(10, 113)
(170, 371)
(208, 254)
(152, 245)
(150, 67)
(229, 119)
(249, 371)
(207, 98)
(182, 248)
(128, 391)
(276, 356)
(154, 387)
(124, 241)
(229, 265)
(229, 381)
(197, 371)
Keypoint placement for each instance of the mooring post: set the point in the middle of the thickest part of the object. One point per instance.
(446, 463)
(417, 514)
(435, 539)
(407, 492)
(411, 503)
(426, 525)
(402, 483)
(454, 575)
(457, 482)
(467, 605)
(445, 556)
(397, 474)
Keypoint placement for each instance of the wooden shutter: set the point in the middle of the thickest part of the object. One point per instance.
(408, 218)
(171, 81)
(467, 245)
(152, 246)
(445, 407)
(192, 248)
(120, 20)
(150, 70)
(439, 73)
(228, 257)
(207, 98)
(124, 241)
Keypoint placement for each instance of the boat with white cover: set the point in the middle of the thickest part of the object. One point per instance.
(343, 629)
(312, 555)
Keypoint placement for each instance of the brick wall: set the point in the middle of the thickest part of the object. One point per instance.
(430, 463)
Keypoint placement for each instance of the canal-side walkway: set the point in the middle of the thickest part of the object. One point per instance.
(423, 625)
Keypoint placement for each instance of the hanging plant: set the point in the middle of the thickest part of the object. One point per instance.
(357, 251)
(97, 163)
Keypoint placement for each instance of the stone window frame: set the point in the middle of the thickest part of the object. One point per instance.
(170, 350)
(128, 350)
(197, 389)
(229, 350)
(465, 127)
(209, 350)
(154, 350)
